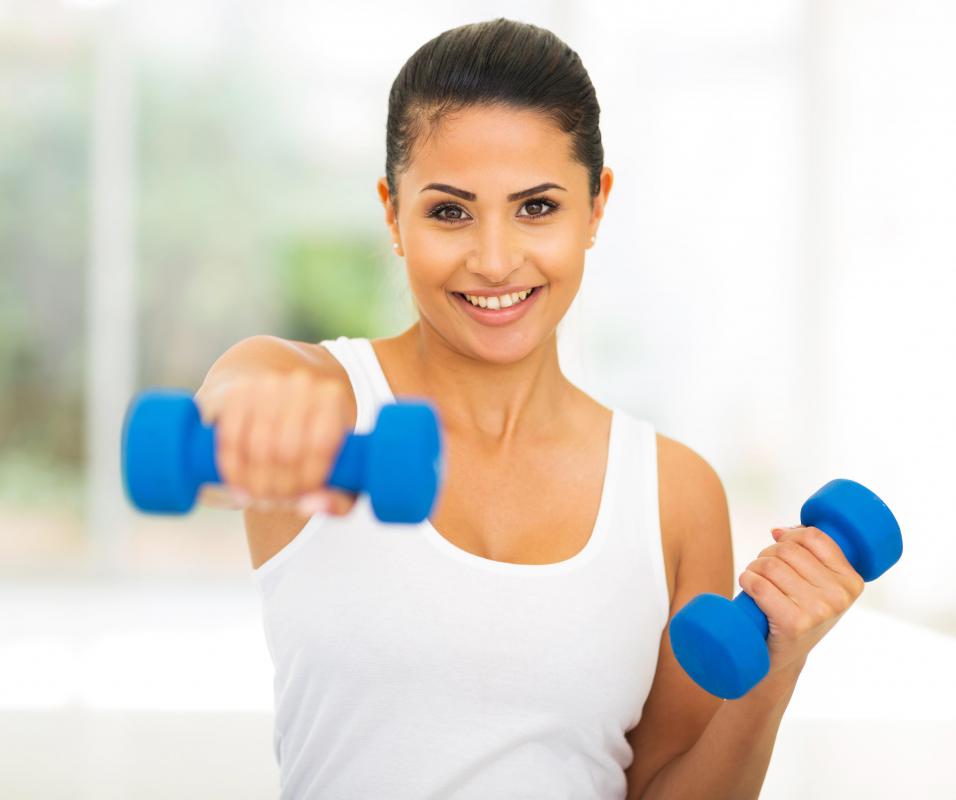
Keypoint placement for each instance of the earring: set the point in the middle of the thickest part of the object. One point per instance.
(592, 240)
(395, 246)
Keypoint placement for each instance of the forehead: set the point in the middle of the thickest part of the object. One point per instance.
(491, 146)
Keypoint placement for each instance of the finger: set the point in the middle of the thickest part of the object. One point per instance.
(321, 445)
(836, 590)
(260, 438)
(774, 603)
(288, 444)
(231, 429)
(326, 431)
(825, 549)
(807, 565)
(787, 580)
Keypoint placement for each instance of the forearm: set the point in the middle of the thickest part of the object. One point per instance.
(731, 757)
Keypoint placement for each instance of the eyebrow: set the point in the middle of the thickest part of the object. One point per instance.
(470, 196)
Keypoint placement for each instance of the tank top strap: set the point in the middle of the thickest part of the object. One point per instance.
(636, 514)
(366, 376)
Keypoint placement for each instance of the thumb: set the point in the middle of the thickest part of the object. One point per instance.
(776, 532)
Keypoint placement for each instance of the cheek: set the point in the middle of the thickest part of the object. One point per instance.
(425, 276)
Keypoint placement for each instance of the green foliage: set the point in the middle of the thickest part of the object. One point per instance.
(331, 286)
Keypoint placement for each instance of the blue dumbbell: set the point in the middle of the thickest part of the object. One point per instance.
(168, 453)
(722, 644)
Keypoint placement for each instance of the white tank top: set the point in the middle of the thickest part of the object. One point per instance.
(407, 667)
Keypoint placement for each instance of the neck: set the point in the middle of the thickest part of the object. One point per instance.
(500, 403)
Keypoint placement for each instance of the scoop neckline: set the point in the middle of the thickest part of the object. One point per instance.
(598, 531)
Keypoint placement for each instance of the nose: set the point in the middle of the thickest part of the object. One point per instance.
(496, 256)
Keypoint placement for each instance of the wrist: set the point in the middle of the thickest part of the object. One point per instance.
(779, 684)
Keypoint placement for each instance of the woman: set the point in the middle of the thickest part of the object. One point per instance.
(515, 644)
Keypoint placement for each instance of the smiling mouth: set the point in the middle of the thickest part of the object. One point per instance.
(497, 302)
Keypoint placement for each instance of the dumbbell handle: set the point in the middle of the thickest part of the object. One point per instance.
(345, 474)
(746, 603)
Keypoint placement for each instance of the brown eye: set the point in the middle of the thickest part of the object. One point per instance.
(438, 213)
(545, 207)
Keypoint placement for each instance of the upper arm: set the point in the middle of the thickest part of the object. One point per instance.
(695, 520)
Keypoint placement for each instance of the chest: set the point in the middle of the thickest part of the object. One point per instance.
(536, 507)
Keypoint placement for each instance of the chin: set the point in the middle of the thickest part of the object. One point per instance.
(505, 348)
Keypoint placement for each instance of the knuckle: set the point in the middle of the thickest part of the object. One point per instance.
(774, 568)
(821, 610)
(790, 547)
(333, 388)
(753, 580)
(804, 623)
(333, 395)
(270, 379)
(815, 535)
(843, 599)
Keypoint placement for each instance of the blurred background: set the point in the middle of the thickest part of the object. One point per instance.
(772, 284)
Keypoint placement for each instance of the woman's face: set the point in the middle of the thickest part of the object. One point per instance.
(461, 233)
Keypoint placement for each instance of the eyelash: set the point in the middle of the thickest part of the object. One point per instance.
(437, 210)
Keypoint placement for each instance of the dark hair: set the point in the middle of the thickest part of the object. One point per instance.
(496, 62)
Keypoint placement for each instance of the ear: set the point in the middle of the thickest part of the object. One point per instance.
(600, 201)
(391, 218)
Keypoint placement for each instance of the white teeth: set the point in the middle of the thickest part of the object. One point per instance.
(497, 302)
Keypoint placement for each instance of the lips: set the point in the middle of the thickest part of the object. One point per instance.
(505, 316)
